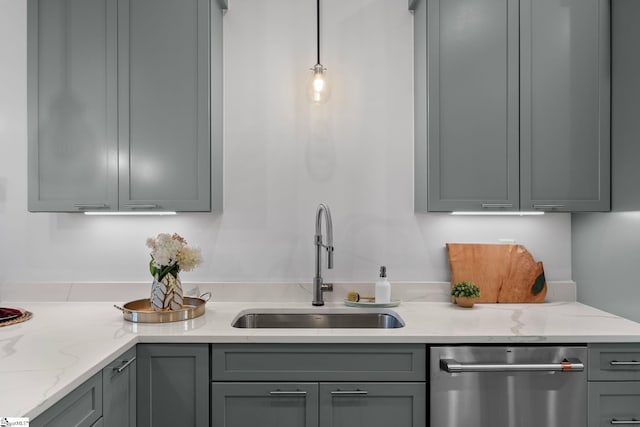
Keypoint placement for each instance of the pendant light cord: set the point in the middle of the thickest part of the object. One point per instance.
(318, 27)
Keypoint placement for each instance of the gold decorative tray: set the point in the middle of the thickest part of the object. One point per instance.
(140, 311)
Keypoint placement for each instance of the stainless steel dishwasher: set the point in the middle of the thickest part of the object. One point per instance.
(491, 386)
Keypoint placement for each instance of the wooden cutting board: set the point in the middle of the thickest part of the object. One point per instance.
(504, 273)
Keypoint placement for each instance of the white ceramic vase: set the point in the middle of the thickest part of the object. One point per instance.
(166, 294)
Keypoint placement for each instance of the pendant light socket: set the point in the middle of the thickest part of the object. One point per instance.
(318, 84)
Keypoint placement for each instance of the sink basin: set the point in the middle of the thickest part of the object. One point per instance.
(318, 318)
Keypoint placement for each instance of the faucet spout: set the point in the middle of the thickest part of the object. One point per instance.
(318, 285)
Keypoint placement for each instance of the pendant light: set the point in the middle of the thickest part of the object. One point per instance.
(318, 86)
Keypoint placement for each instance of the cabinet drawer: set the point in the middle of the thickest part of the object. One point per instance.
(80, 408)
(614, 403)
(373, 404)
(281, 404)
(614, 362)
(318, 362)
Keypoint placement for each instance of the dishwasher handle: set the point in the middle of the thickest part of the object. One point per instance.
(567, 365)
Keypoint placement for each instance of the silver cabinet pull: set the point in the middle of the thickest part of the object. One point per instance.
(625, 422)
(624, 363)
(567, 365)
(147, 206)
(124, 365)
(288, 393)
(85, 206)
(497, 205)
(548, 206)
(349, 393)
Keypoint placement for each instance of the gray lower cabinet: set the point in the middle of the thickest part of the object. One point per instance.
(326, 385)
(614, 403)
(80, 408)
(614, 385)
(511, 105)
(173, 385)
(373, 404)
(284, 404)
(120, 108)
(270, 404)
(119, 391)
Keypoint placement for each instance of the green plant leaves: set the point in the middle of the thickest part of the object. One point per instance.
(465, 289)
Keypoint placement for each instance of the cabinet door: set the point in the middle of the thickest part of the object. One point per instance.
(264, 404)
(163, 107)
(625, 105)
(373, 404)
(614, 403)
(80, 408)
(119, 391)
(564, 121)
(471, 157)
(173, 385)
(72, 123)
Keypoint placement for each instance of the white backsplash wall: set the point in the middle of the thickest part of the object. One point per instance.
(282, 157)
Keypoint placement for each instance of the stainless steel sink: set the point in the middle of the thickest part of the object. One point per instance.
(318, 318)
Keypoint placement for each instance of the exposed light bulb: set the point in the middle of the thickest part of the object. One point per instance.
(319, 87)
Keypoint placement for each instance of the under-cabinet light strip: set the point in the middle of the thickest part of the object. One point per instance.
(502, 213)
(157, 213)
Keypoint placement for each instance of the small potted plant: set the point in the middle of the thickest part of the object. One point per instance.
(465, 293)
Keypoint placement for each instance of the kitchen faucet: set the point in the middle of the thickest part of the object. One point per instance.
(318, 286)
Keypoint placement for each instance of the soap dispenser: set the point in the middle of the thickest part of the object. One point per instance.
(383, 287)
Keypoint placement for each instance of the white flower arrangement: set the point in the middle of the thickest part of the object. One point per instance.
(170, 254)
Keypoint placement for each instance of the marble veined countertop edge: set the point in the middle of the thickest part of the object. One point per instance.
(65, 343)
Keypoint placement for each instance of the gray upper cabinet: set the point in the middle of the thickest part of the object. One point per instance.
(625, 105)
(121, 110)
(511, 105)
(467, 105)
(72, 105)
(163, 60)
(565, 105)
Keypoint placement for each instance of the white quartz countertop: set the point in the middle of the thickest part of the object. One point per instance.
(64, 344)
